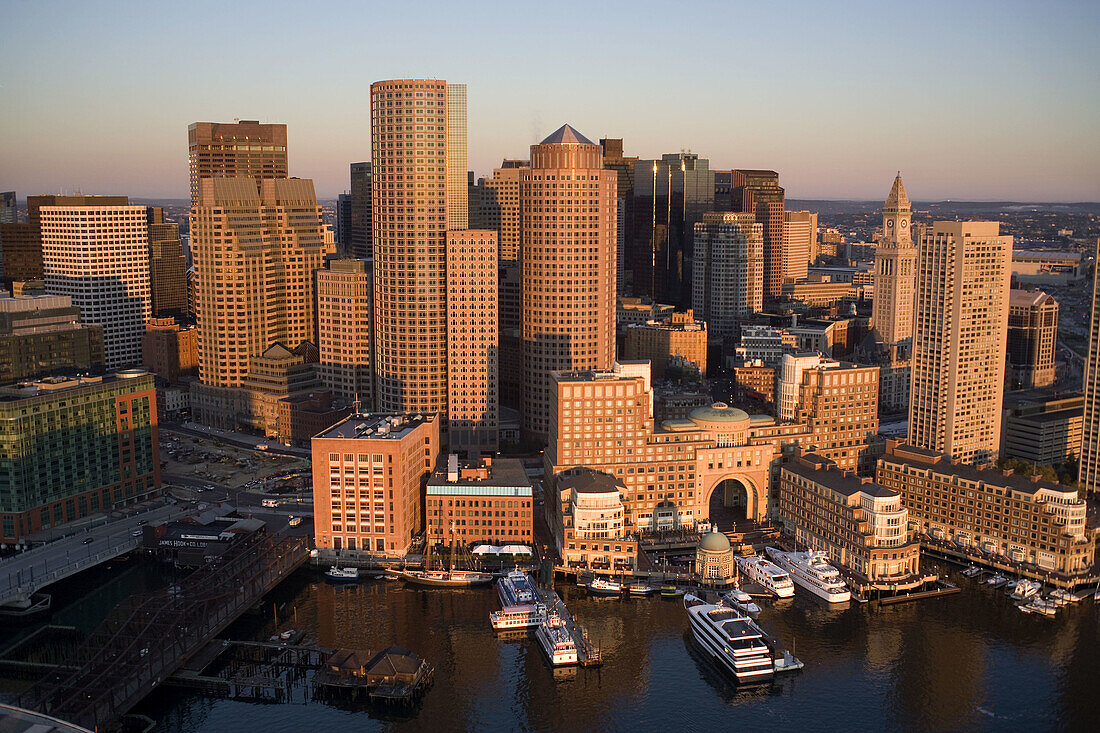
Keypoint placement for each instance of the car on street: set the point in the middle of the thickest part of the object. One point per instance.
(136, 533)
(87, 540)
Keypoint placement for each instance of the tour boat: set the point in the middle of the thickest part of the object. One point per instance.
(742, 601)
(811, 571)
(337, 574)
(640, 589)
(732, 639)
(521, 616)
(601, 587)
(516, 589)
(556, 641)
(774, 579)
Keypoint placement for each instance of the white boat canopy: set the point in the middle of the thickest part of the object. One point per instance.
(505, 550)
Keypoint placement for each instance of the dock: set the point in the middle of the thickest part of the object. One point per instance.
(588, 653)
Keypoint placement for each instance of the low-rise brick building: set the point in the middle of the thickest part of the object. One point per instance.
(481, 500)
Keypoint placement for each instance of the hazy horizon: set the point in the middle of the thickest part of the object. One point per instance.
(972, 102)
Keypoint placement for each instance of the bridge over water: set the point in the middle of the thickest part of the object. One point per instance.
(148, 636)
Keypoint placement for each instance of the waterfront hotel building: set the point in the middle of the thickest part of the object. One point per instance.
(368, 478)
(860, 524)
(990, 512)
(71, 447)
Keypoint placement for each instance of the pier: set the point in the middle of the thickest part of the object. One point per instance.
(588, 653)
(148, 637)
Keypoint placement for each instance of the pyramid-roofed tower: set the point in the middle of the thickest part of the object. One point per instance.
(897, 200)
(566, 135)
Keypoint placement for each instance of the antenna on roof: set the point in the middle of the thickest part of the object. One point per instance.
(356, 403)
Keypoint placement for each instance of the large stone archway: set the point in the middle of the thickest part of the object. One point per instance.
(735, 497)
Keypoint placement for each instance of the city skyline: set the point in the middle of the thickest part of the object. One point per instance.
(981, 102)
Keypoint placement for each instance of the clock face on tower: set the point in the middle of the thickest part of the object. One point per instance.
(904, 223)
(889, 223)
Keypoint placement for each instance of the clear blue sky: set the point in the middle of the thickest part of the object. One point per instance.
(970, 100)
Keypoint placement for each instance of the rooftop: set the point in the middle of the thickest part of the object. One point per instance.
(566, 135)
(588, 481)
(910, 455)
(50, 386)
(825, 472)
(376, 426)
(500, 473)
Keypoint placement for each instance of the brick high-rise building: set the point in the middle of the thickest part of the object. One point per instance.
(255, 254)
(500, 208)
(109, 290)
(1032, 338)
(167, 268)
(472, 341)
(169, 350)
(568, 259)
(415, 155)
(369, 473)
(959, 340)
(345, 332)
(678, 341)
(359, 241)
(245, 149)
(728, 272)
(759, 192)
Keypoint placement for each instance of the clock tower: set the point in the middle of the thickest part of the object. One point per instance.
(895, 274)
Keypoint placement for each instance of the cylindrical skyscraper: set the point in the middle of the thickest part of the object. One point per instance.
(568, 259)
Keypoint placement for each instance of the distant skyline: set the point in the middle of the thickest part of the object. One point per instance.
(971, 101)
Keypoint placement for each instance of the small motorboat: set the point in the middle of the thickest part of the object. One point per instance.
(640, 589)
(337, 574)
(742, 601)
(1024, 590)
(671, 591)
(996, 580)
(1064, 597)
(971, 571)
(602, 587)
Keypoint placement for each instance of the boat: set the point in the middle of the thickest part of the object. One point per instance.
(812, 571)
(449, 578)
(742, 601)
(516, 589)
(971, 571)
(1041, 607)
(1023, 590)
(1063, 596)
(671, 591)
(997, 580)
(337, 574)
(602, 587)
(732, 639)
(556, 641)
(640, 589)
(768, 574)
(521, 616)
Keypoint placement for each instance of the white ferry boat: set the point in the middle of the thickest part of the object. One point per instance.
(556, 641)
(768, 574)
(516, 589)
(337, 574)
(732, 639)
(601, 587)
(522, 616)
(812, 571)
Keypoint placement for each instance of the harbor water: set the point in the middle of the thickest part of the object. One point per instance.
(968, 661)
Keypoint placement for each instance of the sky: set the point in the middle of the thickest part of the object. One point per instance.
(969, 100)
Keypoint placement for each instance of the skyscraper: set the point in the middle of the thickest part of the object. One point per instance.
(670, 197)
(167, 267)
(959, 339)
(568, 260)
(613, 159)
(759, 192)
(246, 149)
(358, 244)
(99, 257)
(343, 221)
(418, 192)
(799, 241)
(1032, 338)
(728, 271)
(345, 335)
(7, 207)
(472, 341)
(895, 274)
(500, 207)
(1089, 472)
(255, 247)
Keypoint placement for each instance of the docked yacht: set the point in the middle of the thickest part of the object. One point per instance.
(1024, 590)
(640, 589)
(337, 574)
(996, 580)
(445, 578)
(742, 601)
(602, 587)
(556, 641)
(521, 616)
(516, 589)
(1063, 597)
(812, 571)
(732, 639)
(768, 574)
